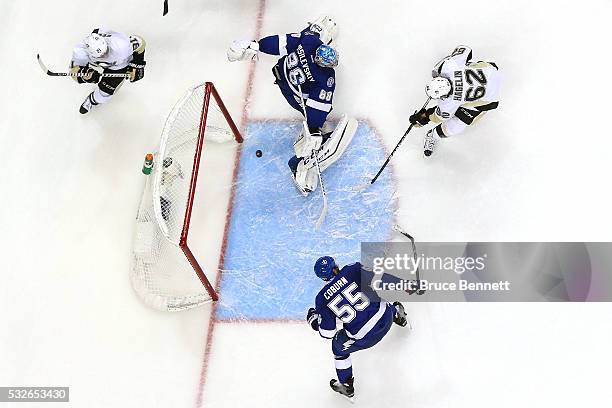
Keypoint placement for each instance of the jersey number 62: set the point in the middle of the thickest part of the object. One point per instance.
(475, 92)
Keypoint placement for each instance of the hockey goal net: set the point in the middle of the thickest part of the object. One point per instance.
(165, 273)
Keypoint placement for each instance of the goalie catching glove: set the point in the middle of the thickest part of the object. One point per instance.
(243, 50)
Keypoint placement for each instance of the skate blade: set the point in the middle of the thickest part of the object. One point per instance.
(408, 324)
(349, 399)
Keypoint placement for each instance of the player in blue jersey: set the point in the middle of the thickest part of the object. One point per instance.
(306, 78)
(364, 321)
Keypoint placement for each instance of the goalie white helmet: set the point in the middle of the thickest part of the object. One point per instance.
(96, 45)
(326, 27)
(439, 87)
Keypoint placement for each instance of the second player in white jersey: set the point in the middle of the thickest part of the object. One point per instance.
(107, 52)
(465, 91)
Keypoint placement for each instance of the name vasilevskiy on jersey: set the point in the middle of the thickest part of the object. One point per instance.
(304, 61)
(335, 288)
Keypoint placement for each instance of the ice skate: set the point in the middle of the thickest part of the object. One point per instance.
(431, 139)
(347, 390)
(400, 317)
(88, 104)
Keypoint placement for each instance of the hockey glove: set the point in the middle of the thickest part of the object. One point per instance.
(420, 118)
(86, 74)
(313, 319)
(243, 50)
(136, 70)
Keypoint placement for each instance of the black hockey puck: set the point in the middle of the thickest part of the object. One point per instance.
(258, 153)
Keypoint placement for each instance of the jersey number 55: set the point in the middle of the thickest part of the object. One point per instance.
(357, 302)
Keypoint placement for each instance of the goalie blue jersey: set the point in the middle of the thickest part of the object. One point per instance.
(343, 298)
(297, 67)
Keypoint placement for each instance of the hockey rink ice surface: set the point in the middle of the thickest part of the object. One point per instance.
(279, 285)
(536, 169)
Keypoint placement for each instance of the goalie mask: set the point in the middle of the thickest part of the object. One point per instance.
(326, 56)
(439, 87)
(326, 27)
(96, 45)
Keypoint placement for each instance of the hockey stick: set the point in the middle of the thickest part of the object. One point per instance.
(364, 186)
(316, 158)
(165, 7)
(398, 229)
(70, 74)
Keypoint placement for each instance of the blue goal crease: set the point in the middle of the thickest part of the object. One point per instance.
(272, 242)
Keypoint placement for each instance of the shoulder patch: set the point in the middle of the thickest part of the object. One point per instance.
(440, 113)
(330, 82)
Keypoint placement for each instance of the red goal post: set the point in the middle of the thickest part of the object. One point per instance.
(164, 268)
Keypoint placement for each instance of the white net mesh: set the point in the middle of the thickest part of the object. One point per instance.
(161, 273)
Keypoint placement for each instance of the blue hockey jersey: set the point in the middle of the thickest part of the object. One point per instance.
(297, 67)
(343, 298)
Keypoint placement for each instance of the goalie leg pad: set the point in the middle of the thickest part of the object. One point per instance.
(305, 179)
(336, 145)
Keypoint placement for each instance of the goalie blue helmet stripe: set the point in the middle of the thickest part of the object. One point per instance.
(326, 56)
(324, 267)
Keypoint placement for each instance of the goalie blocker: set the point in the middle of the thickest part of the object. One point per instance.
(333, 146)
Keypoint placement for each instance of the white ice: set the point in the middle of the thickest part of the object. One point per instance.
(535, 170)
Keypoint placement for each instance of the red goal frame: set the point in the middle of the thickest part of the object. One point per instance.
(209, 91)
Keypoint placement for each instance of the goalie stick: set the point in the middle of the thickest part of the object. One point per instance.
(70, 74)
(316, 157)
(366, 185)
(398, 229)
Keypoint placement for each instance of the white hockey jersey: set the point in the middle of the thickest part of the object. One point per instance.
(475, 84)
(120, 51)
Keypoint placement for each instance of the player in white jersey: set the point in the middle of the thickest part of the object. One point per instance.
(465, 91)
(110, 52)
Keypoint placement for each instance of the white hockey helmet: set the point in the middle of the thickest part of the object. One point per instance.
(439, 87)
(326, 27)
(96, 45)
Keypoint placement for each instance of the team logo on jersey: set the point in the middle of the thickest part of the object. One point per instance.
(347, 344)
(330, 82)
